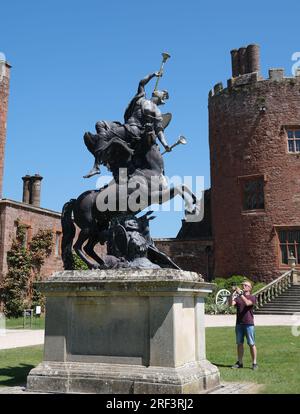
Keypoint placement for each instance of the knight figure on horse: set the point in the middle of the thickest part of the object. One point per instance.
(142, 118)
(132, 147)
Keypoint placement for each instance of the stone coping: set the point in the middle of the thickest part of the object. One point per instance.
(126, 275)
(29, 207)
(124, 281)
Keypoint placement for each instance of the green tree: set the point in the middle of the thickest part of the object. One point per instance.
(24, 265)
(79, 263)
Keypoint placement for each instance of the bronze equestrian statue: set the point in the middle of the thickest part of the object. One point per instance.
(108, 215)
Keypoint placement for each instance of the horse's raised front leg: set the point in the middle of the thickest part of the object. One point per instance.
(195, 211)
(162, 196)
(193, 207)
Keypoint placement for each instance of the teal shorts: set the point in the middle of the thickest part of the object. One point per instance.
(242, 331)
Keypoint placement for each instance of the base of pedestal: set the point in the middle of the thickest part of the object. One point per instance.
(123, 332)
(95, 378)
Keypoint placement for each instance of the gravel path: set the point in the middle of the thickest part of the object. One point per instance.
(15, 338)
(259, 320)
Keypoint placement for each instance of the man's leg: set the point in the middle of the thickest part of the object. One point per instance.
(253, 353)
(240, 352)
(239, 331)
(96, 167)
(250, 333)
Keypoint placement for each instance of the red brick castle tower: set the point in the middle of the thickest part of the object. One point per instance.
(4, 92)
(254, 135)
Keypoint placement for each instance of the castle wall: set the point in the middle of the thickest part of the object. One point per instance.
(192, 255)
(34, 219)
(4, 93)
(248, 124)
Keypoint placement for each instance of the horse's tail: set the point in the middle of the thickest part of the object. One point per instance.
(68, 230)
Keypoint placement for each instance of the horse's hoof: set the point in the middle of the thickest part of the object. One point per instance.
(195, 214)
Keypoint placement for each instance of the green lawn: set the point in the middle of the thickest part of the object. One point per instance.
(16, 363)
(18, 323)
(278, 358)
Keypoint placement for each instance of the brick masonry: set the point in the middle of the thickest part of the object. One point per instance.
(193, 255)
(4, 93)
(35, 219)
(247, 136)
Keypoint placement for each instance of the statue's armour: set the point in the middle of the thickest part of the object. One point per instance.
(146, 112)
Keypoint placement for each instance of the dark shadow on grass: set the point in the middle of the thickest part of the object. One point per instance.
(229, 366)
(221, 365)
(17, 375)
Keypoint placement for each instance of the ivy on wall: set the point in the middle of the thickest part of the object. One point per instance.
(24, 266)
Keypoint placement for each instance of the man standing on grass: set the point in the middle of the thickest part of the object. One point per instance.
(244, 303)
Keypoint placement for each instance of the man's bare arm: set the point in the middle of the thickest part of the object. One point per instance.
(144, 82)
(161, 137)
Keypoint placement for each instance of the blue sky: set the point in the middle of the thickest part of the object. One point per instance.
(77, 62)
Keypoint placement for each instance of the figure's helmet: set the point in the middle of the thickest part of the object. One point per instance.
(161, 95)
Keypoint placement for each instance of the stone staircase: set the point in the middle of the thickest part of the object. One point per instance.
(285, 303)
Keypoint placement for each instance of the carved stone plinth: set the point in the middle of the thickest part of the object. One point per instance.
(124, 331)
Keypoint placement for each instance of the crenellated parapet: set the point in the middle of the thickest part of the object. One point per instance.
(246, 72)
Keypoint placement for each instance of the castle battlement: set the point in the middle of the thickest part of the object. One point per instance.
(246, 71)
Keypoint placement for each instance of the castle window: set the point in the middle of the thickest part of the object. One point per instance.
(293, 140)
(253, 193)
(57, 243)
(289, 241)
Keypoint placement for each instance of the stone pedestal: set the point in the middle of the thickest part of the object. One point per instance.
(296, 277)
(124, 331)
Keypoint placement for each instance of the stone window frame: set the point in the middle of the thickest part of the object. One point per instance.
(292, 138)
(241, 180)
(279, 228)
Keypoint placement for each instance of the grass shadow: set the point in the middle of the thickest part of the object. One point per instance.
(221, 365)
(16, 375)
(230, 366)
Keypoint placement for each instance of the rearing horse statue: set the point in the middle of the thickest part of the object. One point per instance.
(131, 153)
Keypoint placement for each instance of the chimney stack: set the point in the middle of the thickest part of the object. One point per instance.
(245, 60)
(243, 64)
(32, 189)
(235, 63)
(35, 198)
(253, 58)
(26, 189)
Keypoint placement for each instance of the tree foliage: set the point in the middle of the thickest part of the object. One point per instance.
(79, 263)
(24, 266)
